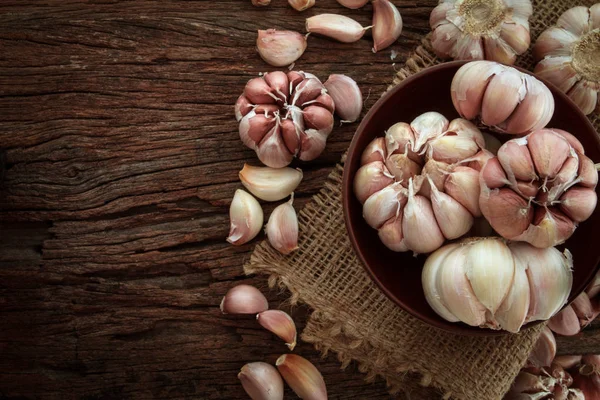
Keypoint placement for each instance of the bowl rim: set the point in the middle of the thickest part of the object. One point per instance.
(461, 329)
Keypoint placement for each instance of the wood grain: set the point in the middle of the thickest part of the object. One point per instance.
(119, 157)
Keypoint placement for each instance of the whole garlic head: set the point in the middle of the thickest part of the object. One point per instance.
(282, 115)
(419, 185)
(569, 56)
(538, 188)
(495, 30)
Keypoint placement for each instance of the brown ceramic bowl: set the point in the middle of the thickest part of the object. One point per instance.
(398, 275)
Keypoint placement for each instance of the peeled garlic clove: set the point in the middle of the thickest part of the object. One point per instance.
(261, 381)
(575, 20)
(453, 219)
(242, 107)
(427, 126)
(272, 151)
(534, 112)
(335, 26)
(402, 167)
(585, 96)
(429, 278)
(347, 96)
(375, 151)
(550, 227)
(270, 184)
(469, 85)
(302, 376)
(282, 228)
(301, 5)
(567, 362)
(391, 235)
(371, 178)
(387, 24)
(421, 231)
(281, 324)
(463, 185)
(383, 205)
(353, 4)
(559, 71)
(512, 312)
(280, 48)
(508, 213)
(565, 323)
(516, 160)
(579, 203)
(549, 152)
(502, 95)
(246, 218)
(253, 128)
(244, 299)
(588, 174)
(554, 42)
(544, 350)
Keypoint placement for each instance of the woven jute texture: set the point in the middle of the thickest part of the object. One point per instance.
(355, 320)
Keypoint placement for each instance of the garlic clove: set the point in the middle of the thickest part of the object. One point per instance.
(444, 38)
(504, 92)
(242, 107)
(258, 91)
(260, 3)
(465, 128)
(313, 143)
(478, 161)
(554, 42)
(549, 152)
(438, 15)
(452, 148)
(594, 288)
(282, 228)
(550, 227)
(595, 16)
(583, 307)
(375, 151)
(469, 84)
(515, 158)
(272, 151)
(301, 5)
(534, 112)
(544, 350)
(270, 184)
(463, 185)
(516, 36)
(453, 219)
(468, 48)
(512, 312)
(526, 383)
(402, 167)
(290, 136)
(585, 96)
(281, 324)
(421, 231)
(559, 71)
(508, 213)
(295, 77)
(253, 128)
(573, 141)
(436, 172)
(490, 268)
(565, 323)
(497, 49)
(387, 24)
(324, 100)
(319, 118)
(335, 26)
(246, 218)
(302, 376)
(400, 139)
(307, 90)
(280, 48)
(567, 362)
(353, 4)
(429, 278)
(371, 178)
(244, 299)
(575, 20)
(565, 178)
(588, 174)
(528, 190)
(261, 381)
(279, 83)
(346, 95)
(427, 126)
(391, 234)
(383, 205)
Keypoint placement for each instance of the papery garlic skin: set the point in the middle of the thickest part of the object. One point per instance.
(496, 30)
(246, 218)
(280, 48)
(285, 115)
(244, 299)
(282, 228)
(270, 184)
(261, 381)
(568, 56)
(281, 324)
(534, 191)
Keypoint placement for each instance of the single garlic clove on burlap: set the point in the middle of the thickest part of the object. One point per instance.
(371, 178)
(453, 219)
(387, 24)
(302, 376)
(281, 324)
(383, 205)
(429, 281)
(246, 218)
(270, 184)
(280, 48)
(391, 235)
(301, 5)
(261, 381)
(347, 96)
(544, 350)
(339, 27)
(244, 299)
(282, 228)
(375, 151)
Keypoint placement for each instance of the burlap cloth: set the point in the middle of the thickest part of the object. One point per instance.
(359, 323)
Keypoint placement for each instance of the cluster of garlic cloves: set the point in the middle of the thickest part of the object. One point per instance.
(538, 188)
(568, 56)
(504, 98)
(496, 30)
(488, 283)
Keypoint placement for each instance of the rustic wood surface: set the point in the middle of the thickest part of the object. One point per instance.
(119, 157)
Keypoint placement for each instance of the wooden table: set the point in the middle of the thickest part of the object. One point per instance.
(120, 156)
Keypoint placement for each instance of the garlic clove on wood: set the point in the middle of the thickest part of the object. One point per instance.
(302, 376)
(353, 4)
(282, 228)
(371, 178)
(244, 299)
(246, 218)
(346, 95)
(281, 324)
(387, 24)
(270, 184)
(429, 281)
(339, 27)
(261, 381)
(301, 5)
(280, 48)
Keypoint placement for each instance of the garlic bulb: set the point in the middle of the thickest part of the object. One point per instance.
(495, 30)
(420, 184)
(246, 218)
(280, 48)
(487, 283)
(534, 190)
(568, 56)
(504, 98)
(261, 381)
(549, 382)
(282, 115)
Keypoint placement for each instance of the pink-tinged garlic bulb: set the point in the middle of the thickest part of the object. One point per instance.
(538, 188)
(548, 383)
(488, 283)
(283, 115)
(419, 185)
(495, 30)
(569, 56)
(502, 97)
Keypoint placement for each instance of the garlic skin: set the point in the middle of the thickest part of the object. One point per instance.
(302, 376)
(301, 5)
(387, 24)
(285, 115)
(347, 96)
(567, 56)
(270, 184)
(280, 48)
(244, 299)
(496, 30)
(341, 28)
(505, 99)
(281, 324)
(488, 283)
(534, 191)
(282, 228)
(261, 381)
(246, 218)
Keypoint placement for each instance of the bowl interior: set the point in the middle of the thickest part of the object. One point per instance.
(398, 275)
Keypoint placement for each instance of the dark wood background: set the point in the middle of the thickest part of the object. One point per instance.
(120, 155)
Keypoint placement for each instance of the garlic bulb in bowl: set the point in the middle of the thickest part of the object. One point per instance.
(419, 185)
(282, 115)
(568, 56)
(539, 188)
(488, 283)
(495, 30)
